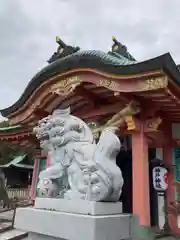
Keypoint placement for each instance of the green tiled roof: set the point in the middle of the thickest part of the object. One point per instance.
(112, 62)
(10, 128)
(112, 58)
(16, 162)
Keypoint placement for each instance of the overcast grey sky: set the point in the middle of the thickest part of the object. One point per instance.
(28, 30)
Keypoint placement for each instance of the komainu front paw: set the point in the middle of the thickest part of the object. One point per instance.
(47, 188)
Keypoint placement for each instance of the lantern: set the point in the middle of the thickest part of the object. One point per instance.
(160, 178)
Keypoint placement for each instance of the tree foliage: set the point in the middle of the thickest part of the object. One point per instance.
(4, 124)
(7, 150)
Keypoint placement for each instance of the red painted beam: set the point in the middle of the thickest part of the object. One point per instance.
(106, 109)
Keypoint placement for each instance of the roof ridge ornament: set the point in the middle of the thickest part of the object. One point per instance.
(121, 49)
(63, 50)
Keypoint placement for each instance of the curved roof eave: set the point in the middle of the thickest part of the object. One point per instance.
(10, 128)
(98, 62)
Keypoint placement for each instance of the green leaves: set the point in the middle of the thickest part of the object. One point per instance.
(7, 150)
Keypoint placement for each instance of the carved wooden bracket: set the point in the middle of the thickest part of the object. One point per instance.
(152, 124)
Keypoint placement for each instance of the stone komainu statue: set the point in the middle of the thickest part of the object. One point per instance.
(79, 168)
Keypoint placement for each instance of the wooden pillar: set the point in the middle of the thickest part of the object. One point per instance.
(34, 177)
(38, 166)
(140, 169)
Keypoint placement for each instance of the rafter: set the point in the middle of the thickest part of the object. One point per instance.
(149, 109)
(92, 99)
(40, 113)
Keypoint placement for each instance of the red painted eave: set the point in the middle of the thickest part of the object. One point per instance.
(165, 100)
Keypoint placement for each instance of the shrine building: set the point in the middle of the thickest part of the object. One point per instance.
(96, 85)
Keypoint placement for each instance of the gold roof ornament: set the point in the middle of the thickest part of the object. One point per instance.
(121, 49)
(116, 45)
(57, 38)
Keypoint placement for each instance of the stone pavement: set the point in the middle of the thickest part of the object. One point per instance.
(168, 238)
(8, 215)
(6, 229)
(11, 234)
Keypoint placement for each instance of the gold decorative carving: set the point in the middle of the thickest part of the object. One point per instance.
(105, 82)
(156, 83)
(66, 86)
(110, 84)
(130, 123)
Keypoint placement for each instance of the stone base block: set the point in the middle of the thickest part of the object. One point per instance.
(89, 224)
(79, 206)
(42, 224)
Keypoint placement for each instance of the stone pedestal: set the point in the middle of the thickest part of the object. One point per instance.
(76, 220)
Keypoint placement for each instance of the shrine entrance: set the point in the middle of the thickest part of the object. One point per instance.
(124, 161)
